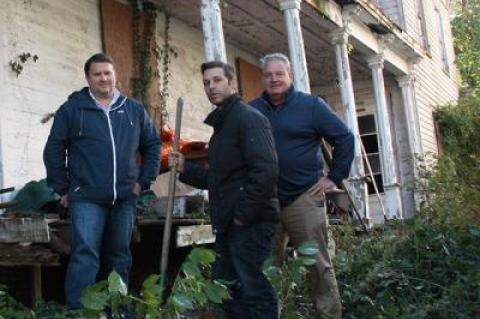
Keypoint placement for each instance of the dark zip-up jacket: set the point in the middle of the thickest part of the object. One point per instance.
(92, 155)
(242, 167)
(298, 125)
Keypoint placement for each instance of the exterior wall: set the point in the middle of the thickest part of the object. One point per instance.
(365, 103)
(392, 9)
(63, 33)
(433, 86)
(401, 146)
(186, 80)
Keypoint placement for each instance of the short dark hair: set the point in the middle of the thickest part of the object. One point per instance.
(97, 58)
(228, 70)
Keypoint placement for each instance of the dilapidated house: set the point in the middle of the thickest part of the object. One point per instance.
(383, 65)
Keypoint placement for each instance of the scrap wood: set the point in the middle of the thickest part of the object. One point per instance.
(21, 227)
(21, 255)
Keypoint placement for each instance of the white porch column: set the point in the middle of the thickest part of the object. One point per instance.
(359, 187)
(213, 39)
(291, 12)
(405, 83)
(392, 197)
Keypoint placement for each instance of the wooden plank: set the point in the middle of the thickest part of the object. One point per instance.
(7, 190)
(118, 42)
(23, 229)
(19, 255)
(249, 79)
(37, 282)
(199, 234)
(8, 205)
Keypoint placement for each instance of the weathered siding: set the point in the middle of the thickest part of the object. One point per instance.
(365, 104)
(186, 80)
(392, 9)
(433, 86)
(63, 33)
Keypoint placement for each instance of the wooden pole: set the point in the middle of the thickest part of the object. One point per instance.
(37, 282)
(328, 159)
(171, 196)
(375, 187)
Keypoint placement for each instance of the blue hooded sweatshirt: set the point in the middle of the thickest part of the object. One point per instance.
(92, 154)
(298, 125)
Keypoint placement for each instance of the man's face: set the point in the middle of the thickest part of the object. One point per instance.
(217, 86)
(276, 78)
(101, 79)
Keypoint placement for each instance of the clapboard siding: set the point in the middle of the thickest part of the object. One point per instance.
(392, 9)
(433, 86)
(63, 33)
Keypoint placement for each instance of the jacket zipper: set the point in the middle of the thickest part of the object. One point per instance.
(114, 158)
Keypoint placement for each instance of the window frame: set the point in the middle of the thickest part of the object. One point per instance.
(379, 174)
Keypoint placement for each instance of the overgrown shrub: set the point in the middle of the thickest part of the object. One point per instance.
(429, 266)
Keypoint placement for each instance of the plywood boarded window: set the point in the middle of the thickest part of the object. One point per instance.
(118, 39)
(249, 79)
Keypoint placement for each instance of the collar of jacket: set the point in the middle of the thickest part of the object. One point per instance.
(217, 116)
(84, 96)
(291, 92)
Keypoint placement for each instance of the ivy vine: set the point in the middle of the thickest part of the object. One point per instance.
(142, 47)
(142, 54)
(17, 64)
(165, 56)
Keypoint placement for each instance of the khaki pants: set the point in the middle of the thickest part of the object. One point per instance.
(304, 221)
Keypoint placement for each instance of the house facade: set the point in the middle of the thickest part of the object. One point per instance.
(383, 65)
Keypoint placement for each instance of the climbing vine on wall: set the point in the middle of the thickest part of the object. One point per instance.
(144, 72)
(164, 54)
(142, 40)
(17, 64)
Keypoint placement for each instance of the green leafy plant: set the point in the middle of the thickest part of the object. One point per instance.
(10, 308)
(426, 267)
(18, 63)
(289, 281)
(466, 31)
(192, 291)
(193, 288)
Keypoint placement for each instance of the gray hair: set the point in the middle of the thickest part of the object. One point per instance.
(280, 57)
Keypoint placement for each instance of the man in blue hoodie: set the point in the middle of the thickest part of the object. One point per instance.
(91, 162)
(299, 121)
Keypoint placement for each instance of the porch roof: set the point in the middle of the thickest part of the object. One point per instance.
(258, 27)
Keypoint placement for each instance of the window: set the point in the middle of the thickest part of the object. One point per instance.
(422, 25)
(441, 40)
(368, 133)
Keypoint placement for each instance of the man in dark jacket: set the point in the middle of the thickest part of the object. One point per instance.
(299, 121)
(241, 178)
(91, 162)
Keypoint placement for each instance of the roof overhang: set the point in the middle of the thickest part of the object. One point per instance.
(369, 26)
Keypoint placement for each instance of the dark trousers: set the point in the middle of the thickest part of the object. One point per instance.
(241, 253)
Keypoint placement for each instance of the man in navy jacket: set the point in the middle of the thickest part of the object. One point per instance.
(91, 162)
(299, 121)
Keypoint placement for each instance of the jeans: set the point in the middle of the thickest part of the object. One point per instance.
(98, 229)
(241, 253)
